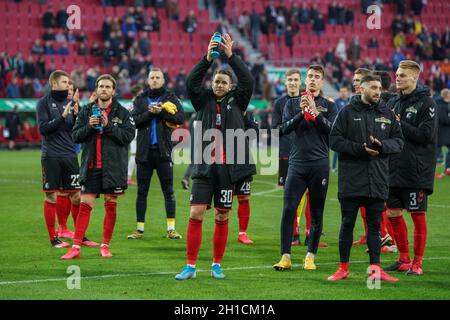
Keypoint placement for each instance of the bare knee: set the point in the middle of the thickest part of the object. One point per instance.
(197, 212)
(50, 197)
(88, 199)
(75, 198)
(110, 198)
(394, 213)
(243, 198)
(221, 215)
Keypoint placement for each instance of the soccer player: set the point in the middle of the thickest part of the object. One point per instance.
(357, 76)
(365, 134)
(386, 230)
(412, 171)
(135, 91)
(188, 173)
(242, 190)
(293, 81)
(219, 108)
(64, 204)
(104, 158)
(443, 106)
(155, 111)
(310, 119)
(60, 169)
(341, 102)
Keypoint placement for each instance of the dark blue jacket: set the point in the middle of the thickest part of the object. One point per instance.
(310, 141)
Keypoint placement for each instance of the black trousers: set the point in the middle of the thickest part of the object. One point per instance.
(164, 169)
(315, 179)
(349, 209)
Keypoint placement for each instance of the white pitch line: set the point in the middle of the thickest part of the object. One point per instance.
(146, 274)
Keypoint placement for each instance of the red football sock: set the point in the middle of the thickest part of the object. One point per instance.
(343, 265)
(109, 221)
(243, 214)
(363, 216)
(82, 223)
(193, 240)
(383, 232)
(75, 208)
(220, 240)
(62, 210)
(420, 236)
(49, 214)
(401, 237)
(296, 229)
(390, 229)
(307, 215)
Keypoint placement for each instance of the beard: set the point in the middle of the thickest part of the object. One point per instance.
(370, 99)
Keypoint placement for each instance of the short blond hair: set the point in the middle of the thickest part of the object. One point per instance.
(410, 64)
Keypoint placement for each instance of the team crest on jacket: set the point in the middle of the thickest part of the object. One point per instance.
(324, 182)
(383, 120)
(321, 109)
(116, 121)
(383, 126)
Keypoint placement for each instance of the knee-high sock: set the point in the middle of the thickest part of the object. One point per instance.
(383, 222)
(131, 166)
(220, 240)
(75, 208)
(296, 228)
(63, 205)
(193, 240)
(243, 214)
(363, 216)
(300, 212)
(82, 223)
(308, 215)
(109, 221)
(420, 236)
(49, 214)
(401, 237)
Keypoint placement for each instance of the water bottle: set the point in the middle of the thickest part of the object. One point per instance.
(215, 53)
(96, 113)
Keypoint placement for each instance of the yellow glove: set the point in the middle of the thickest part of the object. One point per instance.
(169, 107)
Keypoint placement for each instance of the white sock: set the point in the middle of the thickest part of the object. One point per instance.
(104, 245)
(215, 264)
(309, 254)
(242, 232)
(287, 255)
(76, 246)
(191, 265)
(131, 166)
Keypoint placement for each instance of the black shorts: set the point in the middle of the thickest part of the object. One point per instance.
(94, 185)
(217, 186)
(283, 165)
(411, 200)
(242, 188)
(60, 174)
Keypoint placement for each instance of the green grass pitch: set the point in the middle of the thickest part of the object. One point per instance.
(145, 269)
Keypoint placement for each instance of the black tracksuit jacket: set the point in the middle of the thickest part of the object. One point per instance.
(414, 167)
(232, 107)
(310, 140)
(116, 137)
(361, 175)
